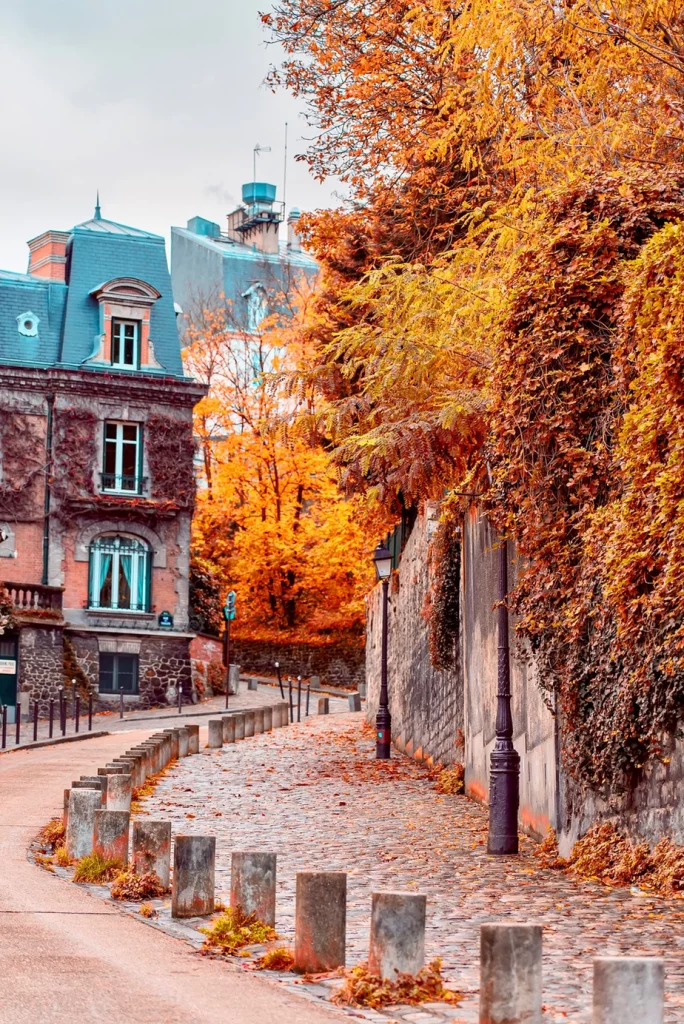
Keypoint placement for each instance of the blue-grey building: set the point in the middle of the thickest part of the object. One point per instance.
(246, 265)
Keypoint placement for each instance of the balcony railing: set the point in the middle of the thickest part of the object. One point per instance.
(28, 597)
(112, 483)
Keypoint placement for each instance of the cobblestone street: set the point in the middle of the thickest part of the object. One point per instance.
(315, 795)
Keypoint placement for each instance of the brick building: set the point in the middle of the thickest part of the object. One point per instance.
(96, 469)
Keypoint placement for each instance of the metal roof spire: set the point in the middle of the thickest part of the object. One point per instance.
(98, 214)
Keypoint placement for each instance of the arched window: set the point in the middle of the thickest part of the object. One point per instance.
(119, 574)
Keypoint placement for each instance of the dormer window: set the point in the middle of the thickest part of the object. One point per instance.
(27, 325)
(126, 344)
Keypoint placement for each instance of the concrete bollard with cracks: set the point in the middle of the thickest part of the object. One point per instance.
(320, 921)
(510, 974)
(258, 721)
(152, 848)
(249, 723)
(215, 733)
(100, 781)
(268, 719)
(239, 726)
(193, 738)
(81, 784)
(110, 835)
(397, 937)
(629, 989)
(119, 789)
(183, 742)
(228, 728)
(253, 884)
(194, 860)
(173, 736)
(323, 706)
(81, 824)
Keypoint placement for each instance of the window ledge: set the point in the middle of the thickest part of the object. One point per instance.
(119, 613)
(129, 698)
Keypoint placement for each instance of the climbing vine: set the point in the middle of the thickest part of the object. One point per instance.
(170, 454)
(442, 609)
(22, 455)
(74, 455)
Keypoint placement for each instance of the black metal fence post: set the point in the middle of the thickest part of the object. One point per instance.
(60, 696)
(73, 698)
(289, 694)
(35, 719)
(18, 723)
(299, 698)
(90, 711)
(63, 699)
(180, 698)
(4, 726)
(77, 716)
(308, 695)
(51, 716)
(121, 702)
(280, 680)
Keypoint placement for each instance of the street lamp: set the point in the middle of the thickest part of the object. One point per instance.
(383, 721)
(504, 760)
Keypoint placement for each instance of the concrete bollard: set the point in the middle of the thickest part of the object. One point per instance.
(112, 769)
(215, 733)
(145, 754)
(239, 726)
(323, 706)
(249, 723)
(100, 781)
(268, 719)
(193, 876)
(253, 885)
(362, 691)
(258, 721)
(315, 682)
(193, 738)
(234, 679)
(355, 701)
(173, 736)
(252, 684)
(183, 740)
(119, 789)
(110, 835)
(228, 728)
(397, 938)
(511, 974)
(629, 989)
(65, 812)
(284, 713)
(81, 821)
(89, 785)
(275, 716)
(320, 921)
(152, 848)
(132, 767)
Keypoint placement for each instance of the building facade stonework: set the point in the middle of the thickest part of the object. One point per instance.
(96, 471)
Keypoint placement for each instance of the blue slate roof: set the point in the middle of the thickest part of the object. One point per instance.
(69, 321)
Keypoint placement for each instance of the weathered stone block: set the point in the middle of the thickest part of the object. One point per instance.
(152, 848)
(320, 921)
(510, 974)
(183, 741)
(397, 938)
(315, 682)
(252, 684)
(234, 678)
(228, 728)
(258, 721)
(253, 884)
(215, 739)
(193, 876)
(173, 736)
(629, 989)
(239, 725)
(119, 789)
(110, 835)
(323, 706)
(249, 723)
(193, 738)
(354, 701)
(81, 821)
(268, 719)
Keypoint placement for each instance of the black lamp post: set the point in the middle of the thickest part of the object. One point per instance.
(383, 721)
(504, 763)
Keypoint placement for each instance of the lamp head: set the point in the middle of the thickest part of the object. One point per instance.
(383, 562)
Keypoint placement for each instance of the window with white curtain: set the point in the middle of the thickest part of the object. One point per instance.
(119, 574)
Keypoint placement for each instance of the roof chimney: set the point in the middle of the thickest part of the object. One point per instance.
(256, 222)
(48, 255)
(294, 242)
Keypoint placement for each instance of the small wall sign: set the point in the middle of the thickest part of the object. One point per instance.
(165, 620)
(8, 666)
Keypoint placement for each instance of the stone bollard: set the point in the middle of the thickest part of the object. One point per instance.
(275, 716)
(193, 876)
(100, 781)
(239, 726)
(145, 754)
(315, 682)
(397, 938)
(320, 921)
(252, 885)
(119, 789)
(362, 691)
(252, 684)
(152, 848)
(183, 740)
(629, 989)
(82, 806)
(132, 767)
(173, 736)
(110, 835)
(249, 723)
(510, 974)
(268, 719)
(355, 701)
(65, 813)
(89, 785)
(284, 713)
(112, 769)
(258, 721)
(215, 733)
(323, 706)
(228, 728)
(193, 738)
(234, 679)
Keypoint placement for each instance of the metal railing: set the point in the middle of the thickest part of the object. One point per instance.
(67, 706)
(117, 484)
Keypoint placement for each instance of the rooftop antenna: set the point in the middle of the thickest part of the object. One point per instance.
(285, 173)
(98, 214)
(258, 149)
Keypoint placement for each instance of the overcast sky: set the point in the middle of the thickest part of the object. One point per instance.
(158, 103)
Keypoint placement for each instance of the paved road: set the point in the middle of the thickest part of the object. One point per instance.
(67, 957)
